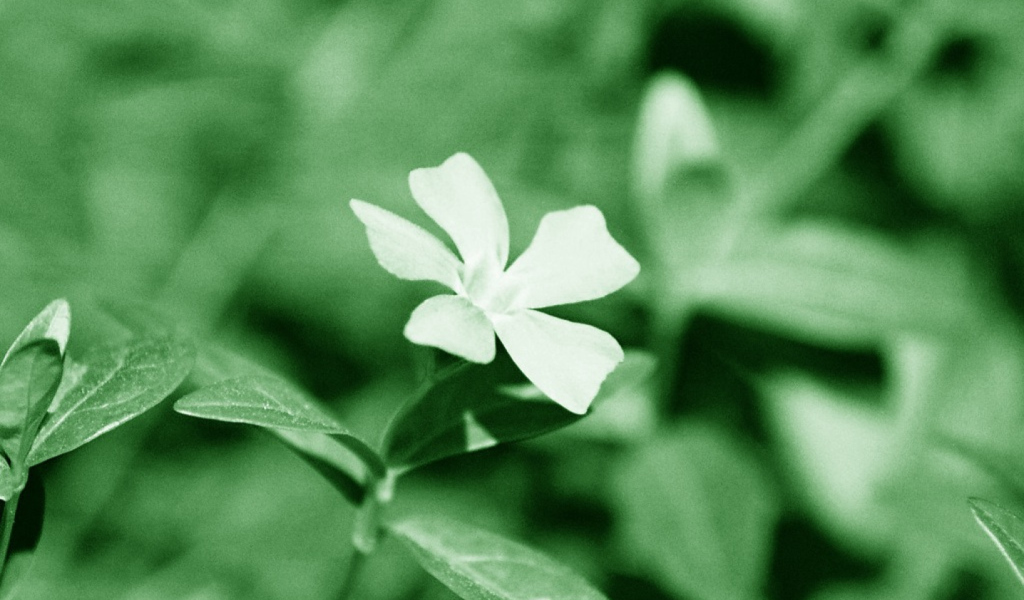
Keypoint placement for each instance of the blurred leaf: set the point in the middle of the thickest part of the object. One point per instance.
(471, 407)
(674, 134)
(956, 133)
(29, 378)
(698, 513)
(332, 457)
(839, 445)
(1006, 530)
(623, 410)
(972, 389)
(841, 285)
(28, 529)
(268, 401)
(683, 190)
(114, 384)
(480, 565)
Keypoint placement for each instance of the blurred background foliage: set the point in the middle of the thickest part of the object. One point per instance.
(826, 203)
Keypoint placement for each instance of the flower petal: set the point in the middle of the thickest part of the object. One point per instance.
(459, 196)
(454, 325)
(572, 258)
(406, 250)
(566, 360)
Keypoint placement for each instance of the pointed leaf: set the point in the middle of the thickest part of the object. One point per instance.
(29, 378)
(697, 513)
(1006, 530)
(113, 385)
(261, 400)
(52, 323)
(332, 457)
(28, 529)
(480, 565)
(470, 408)
(269, 401)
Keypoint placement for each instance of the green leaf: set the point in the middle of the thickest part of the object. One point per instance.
(331, 455)
(29, 378)
(836, 284)
(52, 323)
(838, 444)
(470, 408)
(480, 565)
(697, 513)
(111, 385)
(28, 529)
(260, 400)
(269, 401)
(1006, 530)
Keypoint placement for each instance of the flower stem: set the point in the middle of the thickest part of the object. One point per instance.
(368, 530)
(355, 566)
(10, 508)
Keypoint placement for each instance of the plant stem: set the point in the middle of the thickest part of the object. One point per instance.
(866, 91)
(355, 566)
(365, 534)
(368, 529)
(10, 508)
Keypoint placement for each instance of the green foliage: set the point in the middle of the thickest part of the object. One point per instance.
(46, 411)
(852, 228)
(698, 513)
(261, 401)
(332, 455)
(1006, 530)
(269, 402)
(111, 385)
(844, 286)
(29, 377)
(470, 407)
(480, 565)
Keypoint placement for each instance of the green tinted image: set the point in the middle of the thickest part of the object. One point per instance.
(524, 300)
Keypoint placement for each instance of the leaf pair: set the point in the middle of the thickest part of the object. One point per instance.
(265, 400)
(470, 407)
(109, 386)
(50, 405)
(29, 376)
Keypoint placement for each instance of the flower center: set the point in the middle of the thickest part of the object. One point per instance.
(484, 289)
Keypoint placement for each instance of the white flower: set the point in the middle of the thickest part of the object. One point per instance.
(572, 258)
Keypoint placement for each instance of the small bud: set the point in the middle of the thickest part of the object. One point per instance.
(674, 133)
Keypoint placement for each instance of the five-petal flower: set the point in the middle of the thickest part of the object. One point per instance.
(572, 258)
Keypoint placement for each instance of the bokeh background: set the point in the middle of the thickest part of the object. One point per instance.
(827, 199)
